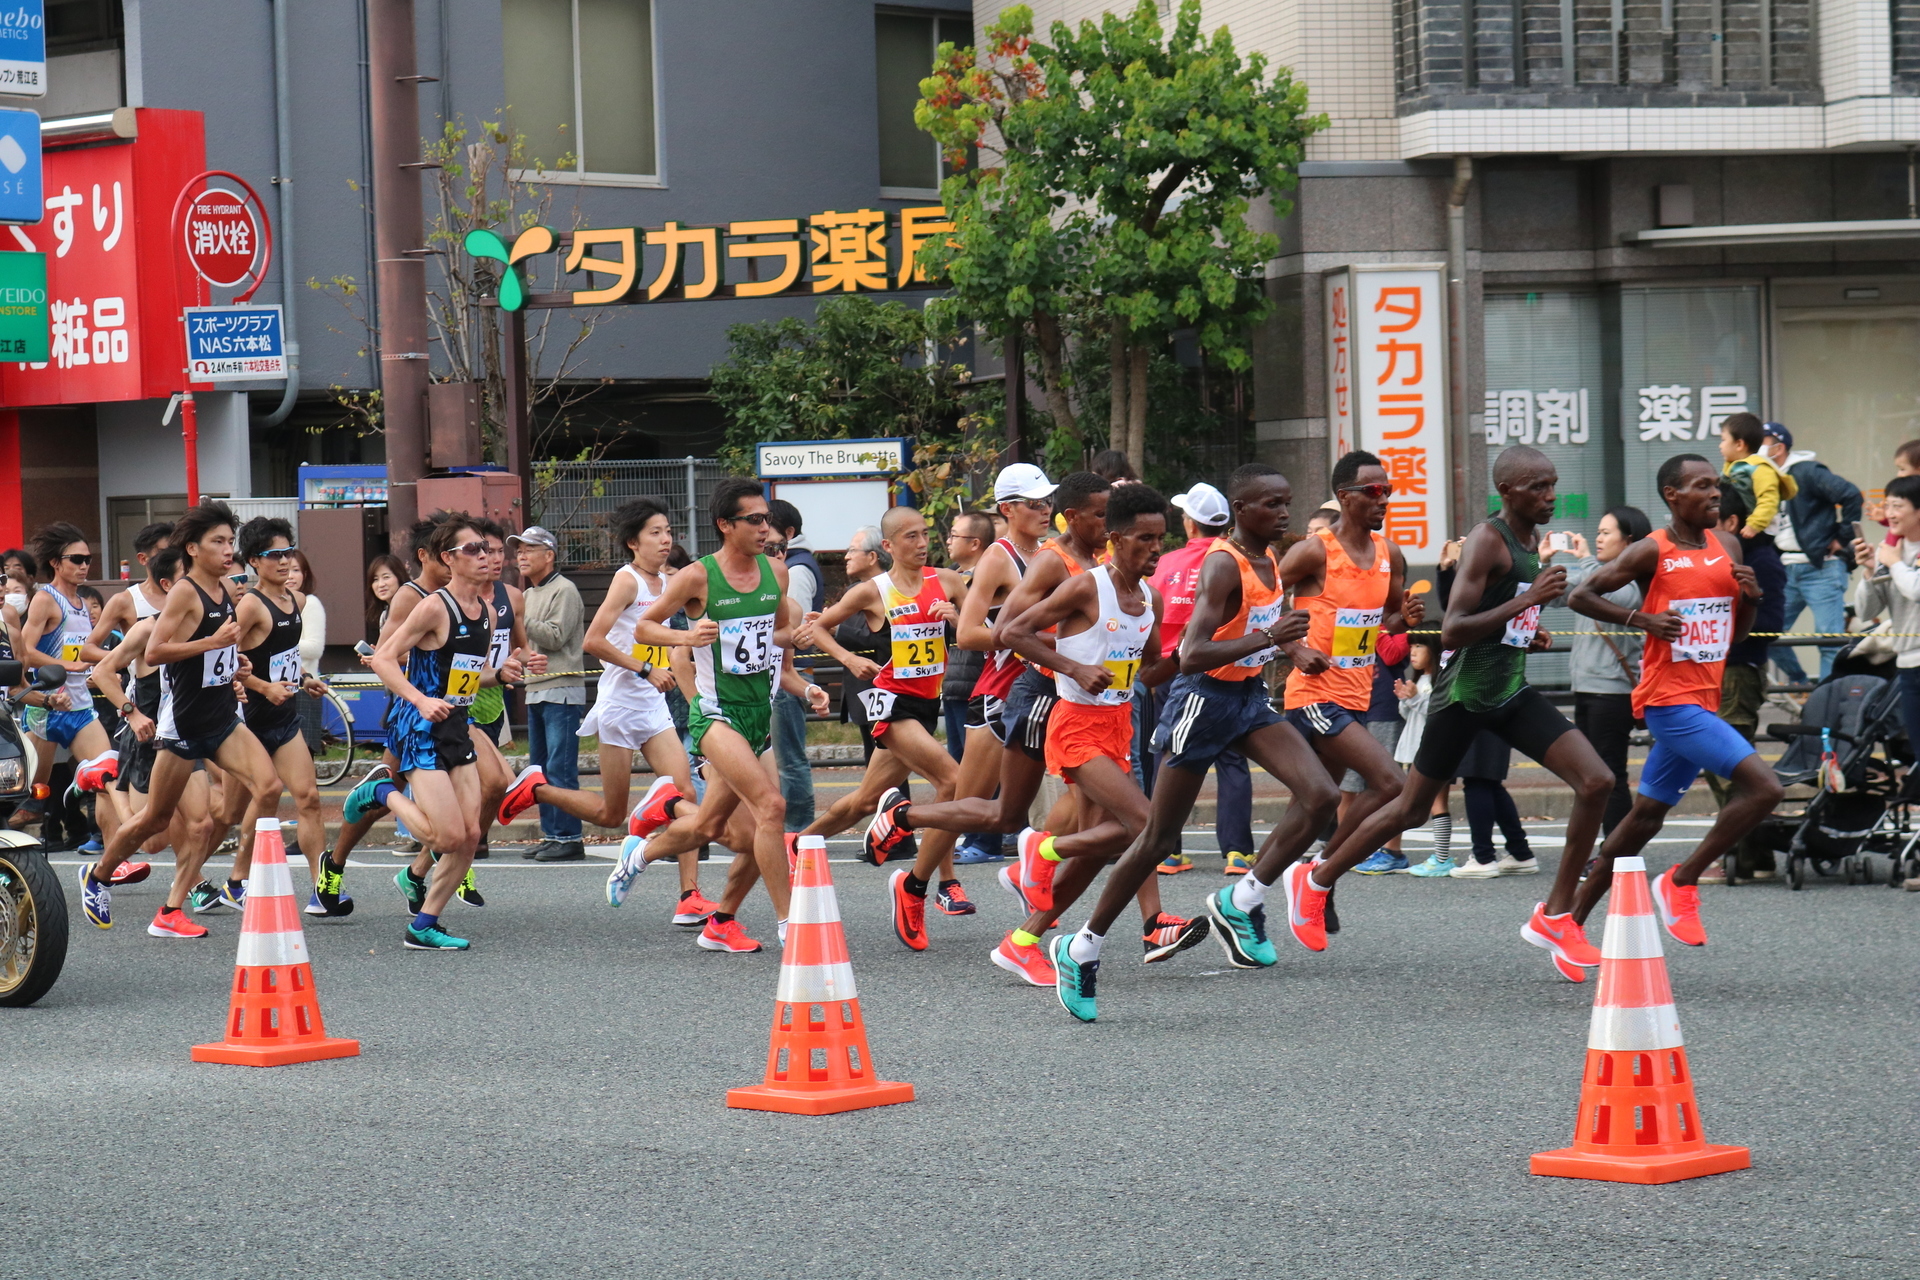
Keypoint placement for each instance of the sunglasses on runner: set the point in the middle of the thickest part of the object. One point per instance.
(278, 553)
(758, 519)
(777, 549)
(76, 559)
(1374, 491)
(472, 548)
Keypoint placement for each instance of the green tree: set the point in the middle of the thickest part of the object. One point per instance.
(1119, 162)
(860, 369)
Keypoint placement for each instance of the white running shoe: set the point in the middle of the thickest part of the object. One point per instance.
(632, 861)
(1473, 869)
(1512, 866)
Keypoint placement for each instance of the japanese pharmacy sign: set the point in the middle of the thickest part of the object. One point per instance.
(1552, 416)
(23, 48)
(23, 306)
(863, 250)
(787, 460)
(1387, 388)
(113, 299)
(235, 344)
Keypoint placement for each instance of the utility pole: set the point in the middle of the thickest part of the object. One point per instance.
(400, 267)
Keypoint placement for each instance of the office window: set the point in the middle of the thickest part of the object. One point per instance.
(580, 84)
(904, 45)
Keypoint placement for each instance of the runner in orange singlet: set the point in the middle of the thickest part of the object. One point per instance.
(1358, 584)
(1700, 599)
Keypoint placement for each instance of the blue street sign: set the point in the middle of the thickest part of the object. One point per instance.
(23, 48)
(234, 344)
(20, 167)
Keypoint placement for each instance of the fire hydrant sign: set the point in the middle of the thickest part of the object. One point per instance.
(23, 48)
(222, 237)
(234, 344)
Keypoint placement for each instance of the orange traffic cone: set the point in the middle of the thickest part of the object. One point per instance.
(1638, 1119)
(817, 1061)
(275, 1015)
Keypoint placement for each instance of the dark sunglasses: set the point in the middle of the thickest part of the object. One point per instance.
(1374, 491)
(76, 559)
(278, 553)
(777, 549)
(472, 548)
(758, 519)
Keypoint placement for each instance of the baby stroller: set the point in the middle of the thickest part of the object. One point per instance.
(1855, 793)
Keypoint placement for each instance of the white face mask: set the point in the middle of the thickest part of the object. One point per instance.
(18, 600)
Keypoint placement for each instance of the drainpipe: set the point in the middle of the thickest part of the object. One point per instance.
(283, 184)
(1463, 516)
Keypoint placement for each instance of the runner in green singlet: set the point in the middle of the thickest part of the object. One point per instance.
(733, 598)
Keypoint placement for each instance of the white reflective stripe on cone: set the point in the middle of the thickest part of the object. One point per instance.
(1634, 863)
(810, 983)
(1631, 938)
(814, 904)
(270, 880)
(1634, 1030)
(272, 948)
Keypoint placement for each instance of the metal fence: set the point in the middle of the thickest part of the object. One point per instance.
(573, 500)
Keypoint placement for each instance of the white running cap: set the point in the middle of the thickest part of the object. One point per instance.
(1022, 480)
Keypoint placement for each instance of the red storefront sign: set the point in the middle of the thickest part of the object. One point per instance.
(114, 286)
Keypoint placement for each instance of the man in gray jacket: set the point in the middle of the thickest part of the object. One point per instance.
(556, 626)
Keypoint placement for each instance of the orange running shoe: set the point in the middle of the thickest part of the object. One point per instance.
(726, 937)
(173, 923)
(1036, 872)
(1029, 964)
(1679, 908)
(1306, 906)
(1564, 939)
(95, 774)
(886, 838)
(130, 873)
(652, 813)
(909, 913)
(692, 910)
(793, 854)
(519, 797)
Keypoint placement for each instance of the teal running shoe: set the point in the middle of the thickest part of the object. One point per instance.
(633, 860)
(361, 798)
(1242, 933)
(434, 938)
(1382, 862)
(1438, 864)
(203, 897)
(414, 887)
(1073, 981)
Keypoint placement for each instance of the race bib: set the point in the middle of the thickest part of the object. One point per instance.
(463, 678)
(284, 668)
(70, 642)
(1260, 618)
(500, 647)
(746, 645)
(1523, 626)
(1124, 670)
(1356, 634)
(919, 649)
(218, 666)
(1706, 629)
(877, 703)
(656, 654)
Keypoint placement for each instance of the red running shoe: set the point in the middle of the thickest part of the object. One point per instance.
(909, 913)
(886, 838)
(651, 813)
(95, 774)
(1036, 872)
(1306, 906)
(726, 937)
(519, 797)
(692, 910)
(174, 924)
(1171, 935)
(1564, 939)
(130, 873)
(1029, 964)
(793, 854)
(1679, 908)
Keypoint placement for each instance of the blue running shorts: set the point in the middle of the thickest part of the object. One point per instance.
(1205, 717)
(1687, 739)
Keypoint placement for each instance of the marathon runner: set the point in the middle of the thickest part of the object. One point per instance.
(1492, 622)
(915, 604)
(1698, 604)
(270, 630)
(194, 642)
(490, 708)
(629, 714)
(57, 624)
(1352, 584)
(1218, 703)
(445, 642)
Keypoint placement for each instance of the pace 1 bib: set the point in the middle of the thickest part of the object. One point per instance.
(1523, 626)
(1706, 629)
(1260, 618)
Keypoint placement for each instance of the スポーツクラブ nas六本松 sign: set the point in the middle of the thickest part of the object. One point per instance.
(235, 344)
(1387, 388)
(857, 251)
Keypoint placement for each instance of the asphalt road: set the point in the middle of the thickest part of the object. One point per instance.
(552, 1102)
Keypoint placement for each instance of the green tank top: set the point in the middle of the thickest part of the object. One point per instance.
(737, 669)
(1489, 672)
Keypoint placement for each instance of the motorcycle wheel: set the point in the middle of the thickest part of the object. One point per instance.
(33, 924)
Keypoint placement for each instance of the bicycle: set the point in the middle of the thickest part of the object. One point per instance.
(336, 730)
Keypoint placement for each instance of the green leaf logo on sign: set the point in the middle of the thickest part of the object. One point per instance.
(486, 244)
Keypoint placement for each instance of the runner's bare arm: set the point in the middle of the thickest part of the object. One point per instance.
(1404, 612)
(1157, 671)
(686, 589)
(1304, 566)
(955, 585)
(598, 643)
(43, 615)
(255, 622)
(1045, 572)
(1079, 598)
(420, 627)
(1484, 556)
(994, 576)
(1636, 564)
(862, 597)
(106, 673)
(117, 616)
(800, 687)
(180, 615)
(398, 610)
(1216, 600)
